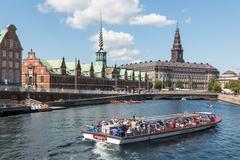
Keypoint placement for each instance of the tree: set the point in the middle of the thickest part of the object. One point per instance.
(179, 84)
(158, 85)
(234, 85)
(214, 85)
(167, 83)
(211, 83)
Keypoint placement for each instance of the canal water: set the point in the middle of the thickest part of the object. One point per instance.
(57, 134)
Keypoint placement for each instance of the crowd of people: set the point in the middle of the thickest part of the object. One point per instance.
(137, 126)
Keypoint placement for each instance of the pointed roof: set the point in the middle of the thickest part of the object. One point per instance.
(177, 50)
(100, 35)
(3, 32)
(63, 62)
(177, 39)
(91, 67)
(78, 64)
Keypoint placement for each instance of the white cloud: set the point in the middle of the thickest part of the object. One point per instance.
(119, 45)
(68, 6)
(124, 54)
(188, 20)
(151, 19)
(113, 40)
(81, 13)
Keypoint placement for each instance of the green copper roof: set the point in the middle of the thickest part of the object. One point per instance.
(122, 73)
(97, 68)
(2, 34)
(143, 76)
(54, 66)
(137, 73)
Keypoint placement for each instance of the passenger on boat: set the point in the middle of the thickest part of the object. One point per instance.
(133, 124)
(129, 132)
(126, 127)
(172, 125)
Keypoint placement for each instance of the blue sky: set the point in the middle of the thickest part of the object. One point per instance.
(133, 30)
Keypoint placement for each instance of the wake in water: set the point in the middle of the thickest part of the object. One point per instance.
(105, 151)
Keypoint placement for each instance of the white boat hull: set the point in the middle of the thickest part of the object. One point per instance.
(125, 140)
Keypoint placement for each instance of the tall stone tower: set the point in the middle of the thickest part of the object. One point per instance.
(101, 55)
(177, 50)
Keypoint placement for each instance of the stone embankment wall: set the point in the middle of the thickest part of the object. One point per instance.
(229, 98)
(98, 100)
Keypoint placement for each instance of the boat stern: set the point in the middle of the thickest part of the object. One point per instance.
(101, 138)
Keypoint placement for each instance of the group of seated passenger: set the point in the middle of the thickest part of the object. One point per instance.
(133, 127)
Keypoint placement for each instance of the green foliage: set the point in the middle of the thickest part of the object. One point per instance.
(179, 84)
(158, 85)
(167, 84)
(214, 85)
(234, 85)
(217, 87)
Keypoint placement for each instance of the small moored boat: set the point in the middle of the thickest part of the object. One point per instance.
(130, 130)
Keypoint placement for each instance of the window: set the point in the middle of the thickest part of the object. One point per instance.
(42, 79)
(4, 53)
(11, 43)
(17, 76)
(3, 75)
(10, 75)
(5, 43)
(10, 54)
(4, 63)
(10, 64)
(16, 55)
(16, 64)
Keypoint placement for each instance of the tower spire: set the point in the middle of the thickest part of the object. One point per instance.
(100, 34)
(101, 55)
(177, 50)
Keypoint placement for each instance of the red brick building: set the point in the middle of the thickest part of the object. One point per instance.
(10, 56)
(51, 74)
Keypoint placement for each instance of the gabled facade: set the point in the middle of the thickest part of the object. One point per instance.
(10, 56)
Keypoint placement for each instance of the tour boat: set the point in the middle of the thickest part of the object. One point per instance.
(131, 130)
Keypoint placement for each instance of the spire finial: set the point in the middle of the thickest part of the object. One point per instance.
(100, 34)
(63, 62)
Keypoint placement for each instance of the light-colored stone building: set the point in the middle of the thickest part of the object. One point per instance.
(192, 75)
(226, 77)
